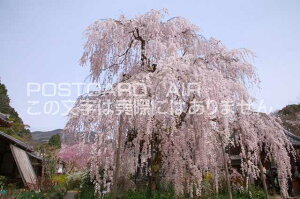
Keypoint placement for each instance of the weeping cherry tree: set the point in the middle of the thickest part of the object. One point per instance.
(161, 110)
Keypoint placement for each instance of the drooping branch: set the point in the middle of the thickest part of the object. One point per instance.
(155, 52)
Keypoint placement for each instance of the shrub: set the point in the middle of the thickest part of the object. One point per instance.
(55, 141)
(56, 192)
(74, 180)
(2, 181)
(45, 184)
(254, 193)
(30, 195)
(147, 194)
(60, 179)
(87, 190)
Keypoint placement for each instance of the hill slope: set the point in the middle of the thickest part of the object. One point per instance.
(290, 116)
(18, 128)
(44, 136)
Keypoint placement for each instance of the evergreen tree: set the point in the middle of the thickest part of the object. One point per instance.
(55, 141)
(18, 128)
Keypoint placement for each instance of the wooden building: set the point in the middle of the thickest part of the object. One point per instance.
(18, 163)
(272, 176)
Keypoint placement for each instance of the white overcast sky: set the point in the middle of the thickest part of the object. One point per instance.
(41, 41)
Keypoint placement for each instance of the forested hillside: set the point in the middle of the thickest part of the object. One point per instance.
(18, 128)
(44, 136)
(290, 116)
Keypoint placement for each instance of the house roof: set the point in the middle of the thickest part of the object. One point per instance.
(34, 156)
(16, 142)
(295, 140)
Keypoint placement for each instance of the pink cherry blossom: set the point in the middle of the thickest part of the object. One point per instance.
(158, 53)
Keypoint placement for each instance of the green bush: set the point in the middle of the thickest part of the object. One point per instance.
(30, 195)
(56, 192)
(88, 193)
(60, 179)
(55, 141)
(254, 193)
(2, 182)
(74, 180)
(87, 190)
(134, 195)
(147, 194)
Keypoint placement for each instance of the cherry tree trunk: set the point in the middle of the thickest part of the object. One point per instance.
(217, 185)
(263, 178)
(226, 172)
(117, 163)
(156, 162)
